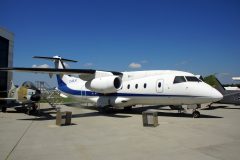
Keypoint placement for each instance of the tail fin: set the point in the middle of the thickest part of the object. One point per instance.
(12, 90)
(59, 64)
(12, 86)
(214, 82)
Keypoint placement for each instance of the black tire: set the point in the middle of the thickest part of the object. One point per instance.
(196, 114)
(105, 110)
(128, 109)
(34, 108)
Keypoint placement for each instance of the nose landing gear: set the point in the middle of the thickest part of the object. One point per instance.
(184, 108)
(196, 113)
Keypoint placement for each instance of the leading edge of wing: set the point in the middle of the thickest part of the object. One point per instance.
(56, 71)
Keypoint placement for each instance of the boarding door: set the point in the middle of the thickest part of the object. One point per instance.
(159, 86)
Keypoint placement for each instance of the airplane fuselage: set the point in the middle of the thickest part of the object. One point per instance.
(158, 87)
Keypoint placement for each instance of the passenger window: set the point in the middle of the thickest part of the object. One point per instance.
(128, 87)
(136, 86)
(179, 79)
(145, 85)
(159, 85)
(192, 79)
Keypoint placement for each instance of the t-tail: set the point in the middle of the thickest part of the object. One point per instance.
(59, 63)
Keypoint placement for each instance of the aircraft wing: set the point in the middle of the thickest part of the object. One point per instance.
(231, 94)
(85, 74)
(50, 70)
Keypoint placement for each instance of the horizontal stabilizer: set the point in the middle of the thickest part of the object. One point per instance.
(55, 58)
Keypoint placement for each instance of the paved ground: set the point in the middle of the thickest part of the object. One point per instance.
(121, 136)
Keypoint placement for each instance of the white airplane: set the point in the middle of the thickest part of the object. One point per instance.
(125, 89)
(236, 78)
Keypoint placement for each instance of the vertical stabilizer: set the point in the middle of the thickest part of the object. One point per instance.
(12, 90)
(59, 64)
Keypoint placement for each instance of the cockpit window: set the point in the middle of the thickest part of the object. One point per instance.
(192, 79)
(179, 79)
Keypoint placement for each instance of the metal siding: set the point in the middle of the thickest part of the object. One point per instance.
(6, 59)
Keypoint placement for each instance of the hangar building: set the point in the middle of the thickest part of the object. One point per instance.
(6, 59)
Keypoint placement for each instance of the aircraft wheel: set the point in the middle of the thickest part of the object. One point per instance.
(128, 109)
(34, 108)
(105, 110)
(101, 109)
(196, 114)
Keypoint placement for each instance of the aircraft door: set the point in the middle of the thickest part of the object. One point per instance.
(159, 86)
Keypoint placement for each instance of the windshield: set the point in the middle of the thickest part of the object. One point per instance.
(179, 79)
(192, 79)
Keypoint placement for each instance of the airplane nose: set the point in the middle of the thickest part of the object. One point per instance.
(216, 95)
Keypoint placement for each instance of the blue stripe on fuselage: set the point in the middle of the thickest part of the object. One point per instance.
(64, 88)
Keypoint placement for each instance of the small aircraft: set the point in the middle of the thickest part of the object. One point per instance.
(26, 96)
(236, 78)
(110, 89)
(229, 96)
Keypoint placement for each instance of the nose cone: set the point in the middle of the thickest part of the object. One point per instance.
(216, 95)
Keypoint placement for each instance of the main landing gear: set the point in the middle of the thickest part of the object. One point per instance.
(110, 109)
(210, 106)
(127, 109)
(196, 114)
(105, 110)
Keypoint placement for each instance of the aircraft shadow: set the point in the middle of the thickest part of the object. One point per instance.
(214, 107)
(50, 113)
(167, 114)
(45, 115)
(232, 108)
(159, 109)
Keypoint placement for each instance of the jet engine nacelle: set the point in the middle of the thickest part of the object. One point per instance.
(110, 84)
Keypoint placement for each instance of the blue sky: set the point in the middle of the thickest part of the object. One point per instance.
(202, 36)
